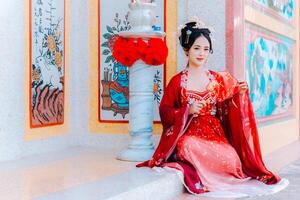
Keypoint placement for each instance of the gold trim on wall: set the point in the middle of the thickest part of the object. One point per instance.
(171, 31)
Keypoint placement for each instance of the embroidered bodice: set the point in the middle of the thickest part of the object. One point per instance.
(221, 86)
(207, 97)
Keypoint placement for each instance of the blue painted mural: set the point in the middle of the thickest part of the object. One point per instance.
(269, 72)
(285, 8)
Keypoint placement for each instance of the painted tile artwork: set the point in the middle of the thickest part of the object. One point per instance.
(47, 55)
(285, 8)
(113, 76)
(269, 72)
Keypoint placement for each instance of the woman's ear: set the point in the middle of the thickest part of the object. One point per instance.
(186, 53)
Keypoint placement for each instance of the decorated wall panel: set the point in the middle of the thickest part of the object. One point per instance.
(283, 8)
(47, 62)
(269, 72)
(113, 98)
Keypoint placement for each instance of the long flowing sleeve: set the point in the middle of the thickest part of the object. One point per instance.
(173, 105)
(238, 120)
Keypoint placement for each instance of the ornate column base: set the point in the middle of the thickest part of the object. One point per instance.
(136, 155)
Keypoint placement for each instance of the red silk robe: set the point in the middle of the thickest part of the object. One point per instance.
(237, 118)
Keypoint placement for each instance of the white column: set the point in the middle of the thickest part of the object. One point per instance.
(142, 18)
(140, 113)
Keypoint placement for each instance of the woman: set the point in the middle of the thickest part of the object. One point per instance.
(209, 130)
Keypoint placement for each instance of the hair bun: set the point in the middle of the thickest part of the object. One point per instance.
(190, 24)
(191, 31)
(205, 30)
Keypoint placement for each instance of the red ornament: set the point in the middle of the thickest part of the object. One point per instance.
(128, 50)
(142, 48)
(156, 53)
(125, 51)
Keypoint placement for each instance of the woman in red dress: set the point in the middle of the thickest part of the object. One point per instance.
(209, 130)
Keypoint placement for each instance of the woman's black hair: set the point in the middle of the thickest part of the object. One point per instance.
(190, 33)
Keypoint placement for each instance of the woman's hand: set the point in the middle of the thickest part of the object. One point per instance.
(243, 87)
(196, 106)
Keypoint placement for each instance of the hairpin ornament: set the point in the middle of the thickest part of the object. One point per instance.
(188, 33)
(200, 24)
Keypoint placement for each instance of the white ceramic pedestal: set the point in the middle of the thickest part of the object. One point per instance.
(140, 113)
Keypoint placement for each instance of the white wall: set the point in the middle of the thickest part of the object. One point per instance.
(11, 62)
(12, 80)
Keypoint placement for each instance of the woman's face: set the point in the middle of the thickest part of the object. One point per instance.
(199, 52)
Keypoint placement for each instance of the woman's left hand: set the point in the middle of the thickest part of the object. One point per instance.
(243, 87)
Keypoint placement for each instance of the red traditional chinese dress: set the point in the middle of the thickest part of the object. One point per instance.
(219, 149)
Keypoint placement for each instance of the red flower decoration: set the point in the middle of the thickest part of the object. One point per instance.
(156, 53)
(128, 50)
(142, 48)
(125, 51)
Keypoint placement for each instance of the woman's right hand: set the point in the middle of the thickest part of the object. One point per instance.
(196, 107)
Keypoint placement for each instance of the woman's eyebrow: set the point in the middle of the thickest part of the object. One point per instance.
(201, 46)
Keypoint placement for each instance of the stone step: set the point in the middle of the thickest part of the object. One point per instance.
(92, 173)
(138, 184)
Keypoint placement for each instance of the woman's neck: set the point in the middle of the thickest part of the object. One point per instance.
(197, 69)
